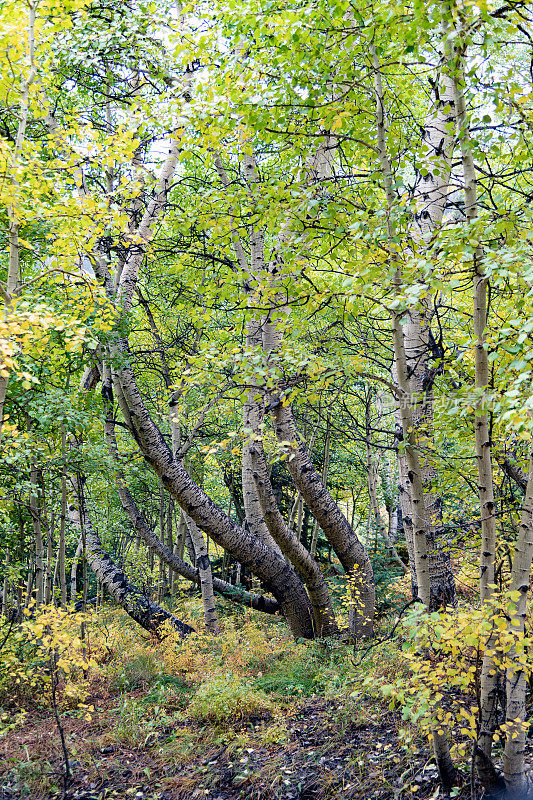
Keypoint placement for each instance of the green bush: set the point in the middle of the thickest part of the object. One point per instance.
(226, 697)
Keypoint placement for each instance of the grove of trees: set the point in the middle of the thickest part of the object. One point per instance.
(267, 329)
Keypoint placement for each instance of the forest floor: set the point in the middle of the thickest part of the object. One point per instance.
(248, 715)
(324, 755)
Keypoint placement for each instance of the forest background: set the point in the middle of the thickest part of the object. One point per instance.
(266, 386)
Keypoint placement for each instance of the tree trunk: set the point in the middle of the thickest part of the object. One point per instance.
(139, 607)
(35, 512)
(61, 556)
(292, 548)
(325, 467)
(203, 566)
(516, 683)
(336, 527)
(269, 566)
(174, 561)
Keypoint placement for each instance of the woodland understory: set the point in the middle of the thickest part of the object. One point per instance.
(266, 407)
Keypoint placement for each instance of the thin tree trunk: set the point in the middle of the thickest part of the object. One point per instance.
(203, 566)
(5, 587)
(490, 674)
(375, 510)
(325, 467)
(35, 512)
(74, 572)
(13, 273)
(431, 575)
(62, 527)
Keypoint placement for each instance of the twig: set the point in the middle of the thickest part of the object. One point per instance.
(389, 635)
(53, 676)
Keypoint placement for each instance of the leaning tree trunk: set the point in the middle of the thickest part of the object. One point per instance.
(139, 607)
(325, 510)
(269, 566)
(292, 547)
(337, 529)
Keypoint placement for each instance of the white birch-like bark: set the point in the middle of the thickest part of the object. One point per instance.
(35, 512)
(336, 527)
(411, 348)
(514, 766)
(490, 673)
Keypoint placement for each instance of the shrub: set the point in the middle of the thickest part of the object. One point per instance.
(226, 697)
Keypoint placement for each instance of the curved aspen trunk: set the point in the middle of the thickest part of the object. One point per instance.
(336, 527)
(139, 607)
(292, 548)
(175, 560)
(270, 567)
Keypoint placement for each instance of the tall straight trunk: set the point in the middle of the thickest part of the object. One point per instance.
(411, 348)
(253, 418)
(375, 511)
(74, 573)
(48, 537)
(431, 580)
(430, 198)
(181, 535)
(35, 511)
(203, 565)
(514, 764)
(61, 556)
(29, 584)
(139, 607)
(324, 475)
(5, 586)
(170, 541)
(490, 674)
(482, 375)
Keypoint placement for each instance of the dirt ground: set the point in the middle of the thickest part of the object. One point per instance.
(322, 756)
